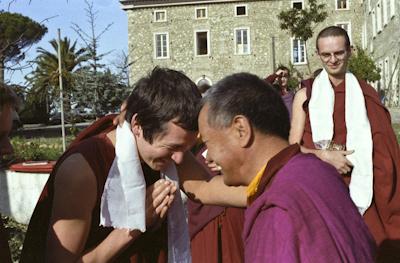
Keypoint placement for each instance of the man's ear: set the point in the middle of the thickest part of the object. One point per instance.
(135, 126)
(242, 130)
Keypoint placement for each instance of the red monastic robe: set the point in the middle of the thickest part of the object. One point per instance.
(383, 216)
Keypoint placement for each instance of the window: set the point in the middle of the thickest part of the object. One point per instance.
(380, 82)
(378, 17)
(392, 8)
(364, 36)
(298, 51)
(202, 43)
(342, 4)
(200, 12)
(385, 13)
(386, 72)
(241, 10)
(242, 41)
(161, 45)
(160, 16)
(346, 26)
(373, 23)
(297, 4)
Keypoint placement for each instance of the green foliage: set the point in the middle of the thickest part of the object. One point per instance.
(37, 149)
(16, 33)
(16, 232)
(105, 90)
(300, 22)
(362, 65)
(45, 78)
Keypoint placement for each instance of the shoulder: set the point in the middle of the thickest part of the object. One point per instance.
(368, 90)
(75, 180)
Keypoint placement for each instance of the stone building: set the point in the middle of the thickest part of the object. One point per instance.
(208, 39)
(381, 38)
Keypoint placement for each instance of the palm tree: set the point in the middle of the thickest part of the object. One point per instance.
(45, 78)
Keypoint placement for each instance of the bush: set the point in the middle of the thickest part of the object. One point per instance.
(16, 233)
(37, 149)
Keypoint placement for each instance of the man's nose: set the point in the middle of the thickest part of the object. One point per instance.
(177, 157)
(333, 58)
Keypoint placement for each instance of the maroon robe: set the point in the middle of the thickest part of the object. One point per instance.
(99, 152)
(215, 231)
(383, 216)
(302, 212)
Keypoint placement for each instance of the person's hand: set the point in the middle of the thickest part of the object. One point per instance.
(159, 197)
(213, 166)
(337, 159)
(119, 120)
(279, 72)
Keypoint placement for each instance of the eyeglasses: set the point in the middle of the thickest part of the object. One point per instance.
(339, 55)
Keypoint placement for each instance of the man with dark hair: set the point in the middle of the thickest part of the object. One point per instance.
(299, 209)
(280, 80)
(109, 193)
(341, 120)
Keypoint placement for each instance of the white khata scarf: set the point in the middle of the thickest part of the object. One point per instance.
(124, 196)
(358, 137)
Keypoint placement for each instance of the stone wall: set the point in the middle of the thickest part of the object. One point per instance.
(261, 20)
(384, 47)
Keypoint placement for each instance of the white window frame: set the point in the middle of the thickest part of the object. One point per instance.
(385, 12)
(248, 41)
(373, 17)
(386, 72)
(380, 66)
(160, 11)
(200, 8)
(348, 28)
(369, 6)
(347, 5)
(208, 42)
(241, 5)
(292, 53)
(155, 45)
(364, 36)
(297, 1)
(379, 16)
(392, 8)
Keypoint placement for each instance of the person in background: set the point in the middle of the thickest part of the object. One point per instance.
(8, 103)
(280, 80)
(340, 119)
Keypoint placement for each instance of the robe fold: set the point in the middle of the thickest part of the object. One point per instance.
(383, 216)
(302, 212)
(99, 152)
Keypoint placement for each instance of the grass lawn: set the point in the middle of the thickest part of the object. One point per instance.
(396, 128)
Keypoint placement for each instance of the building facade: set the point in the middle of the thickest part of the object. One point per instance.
(211, 39)
(381, 38)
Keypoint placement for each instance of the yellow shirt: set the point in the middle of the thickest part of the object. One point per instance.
(253, 186)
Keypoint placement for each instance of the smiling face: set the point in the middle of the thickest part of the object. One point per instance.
(168, 146)
(222, 148)
(334, 55)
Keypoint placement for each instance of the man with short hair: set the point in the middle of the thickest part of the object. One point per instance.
(341, 120)
(109, 193)
(299, 209)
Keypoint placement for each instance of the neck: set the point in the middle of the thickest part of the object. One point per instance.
(337, 79)
(111, 136)
(259, 154)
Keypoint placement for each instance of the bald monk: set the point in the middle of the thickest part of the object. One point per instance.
(341, 120)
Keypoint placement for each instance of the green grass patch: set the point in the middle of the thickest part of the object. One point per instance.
(396, 128)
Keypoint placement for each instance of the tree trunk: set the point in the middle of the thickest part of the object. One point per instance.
(1, 70)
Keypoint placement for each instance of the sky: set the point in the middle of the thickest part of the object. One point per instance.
(61, 14)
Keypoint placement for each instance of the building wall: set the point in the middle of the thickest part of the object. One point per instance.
(261, 20)
(383, 44)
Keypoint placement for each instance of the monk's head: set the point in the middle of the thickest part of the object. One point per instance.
(163, 109)
(235, 112)
(334, 50)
